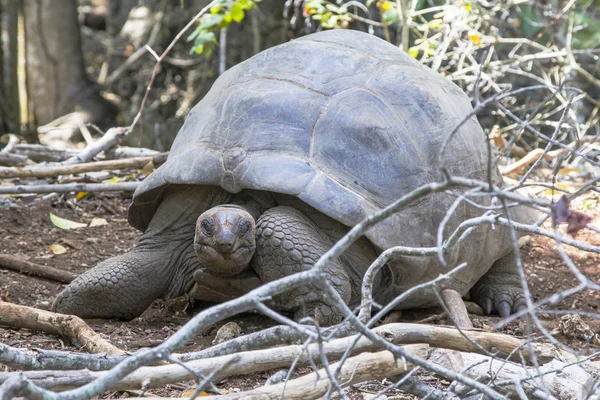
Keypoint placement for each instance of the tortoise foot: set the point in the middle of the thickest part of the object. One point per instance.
(500, 289)
(119, 287)
(322, 314)
(287, 242)
(504, 299)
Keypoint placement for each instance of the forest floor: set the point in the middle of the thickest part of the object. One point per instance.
(27, 232)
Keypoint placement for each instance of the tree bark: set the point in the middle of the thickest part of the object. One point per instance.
(11, 78)
(57, 81)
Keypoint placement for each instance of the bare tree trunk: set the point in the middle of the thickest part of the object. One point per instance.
(11, 103)
(57, 81)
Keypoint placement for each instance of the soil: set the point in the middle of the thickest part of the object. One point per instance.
(27, 232)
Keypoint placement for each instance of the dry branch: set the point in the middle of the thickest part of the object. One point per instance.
(357, 369)
(23, 359)
(13, 140)
(262, 360)
(130, 152)
(17, 316)
(111, 138)
(531, 157)
(561, 380)
(235, 364)
(457, 309)
(10, 159)
(29, 268)
(71, 187)
(39, 153)
(364, 367)
(54, 171)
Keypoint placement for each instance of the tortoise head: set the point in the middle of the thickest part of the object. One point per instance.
(224, 240)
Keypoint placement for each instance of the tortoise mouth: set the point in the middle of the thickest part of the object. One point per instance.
(221, 263)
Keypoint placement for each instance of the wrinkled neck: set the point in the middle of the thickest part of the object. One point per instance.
(172, 229)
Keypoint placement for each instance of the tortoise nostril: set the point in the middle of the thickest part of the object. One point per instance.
(224, 241)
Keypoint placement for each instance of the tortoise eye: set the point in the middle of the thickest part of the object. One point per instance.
(244, 226)
(208, 226)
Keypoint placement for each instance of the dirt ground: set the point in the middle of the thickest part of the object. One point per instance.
(27, 232)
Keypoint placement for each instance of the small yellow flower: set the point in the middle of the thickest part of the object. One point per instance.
(386, 5)
(475, 38)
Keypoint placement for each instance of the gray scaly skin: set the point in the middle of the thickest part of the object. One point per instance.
(196, 238)
(160, 265)
(500, 289)
(286, 242)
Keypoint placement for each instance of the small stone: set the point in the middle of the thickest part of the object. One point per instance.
(229, 331)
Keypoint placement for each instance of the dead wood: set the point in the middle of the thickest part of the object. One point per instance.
(274, 358)
(531, 157)
(71, 187)
(27, 267)
(130, 152)
(456, 308)
(111, 138)
(41, 153)
(13, 160)
(54, 171)
(13, 140)
(361, 368)
(70, 326)
(561, 380)
(234, 364)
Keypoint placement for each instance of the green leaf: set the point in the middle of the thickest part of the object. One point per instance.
(65, 223)
(211, 20)
(530, 21)
(332, 8)
(390, 16)
(226, 20)
(413, 52)
(193, 35)
(237, 13)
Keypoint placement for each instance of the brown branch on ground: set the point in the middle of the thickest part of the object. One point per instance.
(70, 326)
(27, 267)
(54, 171)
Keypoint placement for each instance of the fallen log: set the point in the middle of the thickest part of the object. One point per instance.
(233, 364)
(10, 159)
(361, 368)
(559, 379)
(41, 153)
(111, 138)
(397, 333)
(280, 357)
(27, 267)
(54, 171)
(71, 187)
(70, 326)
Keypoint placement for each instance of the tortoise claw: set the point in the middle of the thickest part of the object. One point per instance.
(487, 306)
(504, 309)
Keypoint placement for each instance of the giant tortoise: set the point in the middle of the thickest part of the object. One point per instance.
(286, 152)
